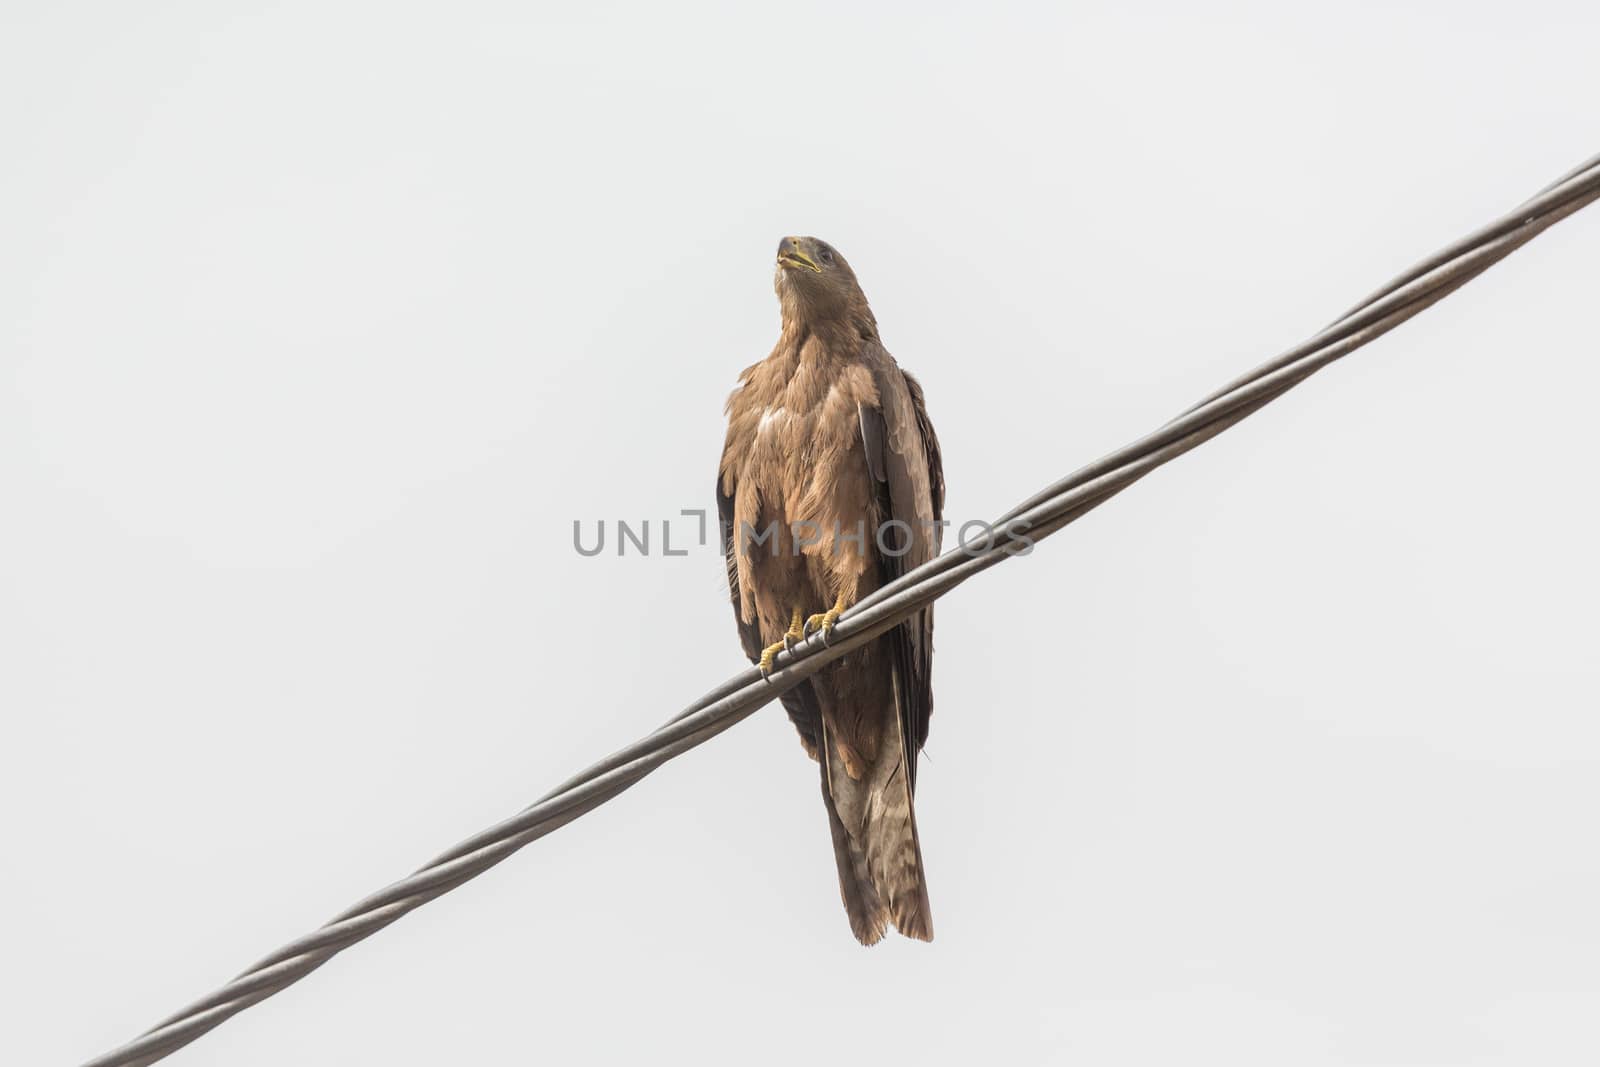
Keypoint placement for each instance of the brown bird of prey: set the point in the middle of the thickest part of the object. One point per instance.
(830, 486)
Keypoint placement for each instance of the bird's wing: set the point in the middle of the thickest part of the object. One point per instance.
(749, 632)
(801, 701)
(903, 455)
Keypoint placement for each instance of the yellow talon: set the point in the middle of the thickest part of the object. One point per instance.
(823, 623)
(794, 634)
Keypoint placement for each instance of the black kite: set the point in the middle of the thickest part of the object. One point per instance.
(830, 486)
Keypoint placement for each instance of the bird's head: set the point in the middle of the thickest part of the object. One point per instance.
(814, 282)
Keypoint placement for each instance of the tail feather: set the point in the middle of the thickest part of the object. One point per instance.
(875, 839)
(869, 919)
(894, 858)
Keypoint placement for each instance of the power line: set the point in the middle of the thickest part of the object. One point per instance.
(1034, 519)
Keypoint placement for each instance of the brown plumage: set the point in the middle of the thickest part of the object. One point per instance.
(830, 486)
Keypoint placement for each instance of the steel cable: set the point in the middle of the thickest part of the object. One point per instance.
(1034, 519)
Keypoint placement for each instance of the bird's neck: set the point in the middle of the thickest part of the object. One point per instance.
(834, 334)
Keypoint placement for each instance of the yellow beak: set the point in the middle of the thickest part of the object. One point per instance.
(795, 259)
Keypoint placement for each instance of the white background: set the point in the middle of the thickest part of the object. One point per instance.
(321, 323)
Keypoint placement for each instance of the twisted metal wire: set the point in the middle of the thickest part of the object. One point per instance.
(1030, 521)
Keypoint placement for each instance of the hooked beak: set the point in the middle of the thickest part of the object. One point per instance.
(790, 256)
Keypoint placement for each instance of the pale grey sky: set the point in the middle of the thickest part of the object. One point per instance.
(322, 322)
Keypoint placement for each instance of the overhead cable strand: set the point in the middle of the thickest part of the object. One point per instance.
(1034, 519)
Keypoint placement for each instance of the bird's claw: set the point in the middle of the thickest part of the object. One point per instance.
(791, 637)
(767, 654)
(823, 623)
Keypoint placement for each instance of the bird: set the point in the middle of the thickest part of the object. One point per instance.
(830, 486)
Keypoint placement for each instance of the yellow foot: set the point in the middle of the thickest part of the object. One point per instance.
(795, 634)
(823, 623)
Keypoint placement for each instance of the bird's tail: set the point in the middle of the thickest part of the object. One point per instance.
(875, 839)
